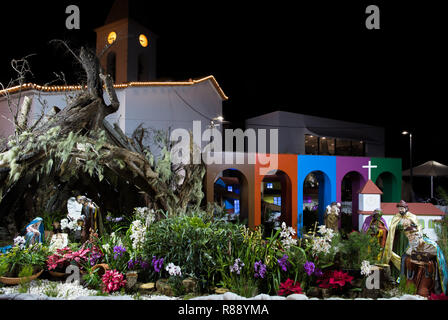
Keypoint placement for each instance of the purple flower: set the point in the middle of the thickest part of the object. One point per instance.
(94, 257)
(117, 219)
(318, 273)
(260, 269)
(309, 267)
(237, 266)
(157, 263)
(133, 264)
(144, 264)
(283, 262)
(119, 250)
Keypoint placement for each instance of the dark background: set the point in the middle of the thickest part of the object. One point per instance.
(313, 57)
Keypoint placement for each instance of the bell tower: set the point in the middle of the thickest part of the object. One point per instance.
(131, 55)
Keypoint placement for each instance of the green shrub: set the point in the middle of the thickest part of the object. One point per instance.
(359, 247)
(404, 288)
(192, 242)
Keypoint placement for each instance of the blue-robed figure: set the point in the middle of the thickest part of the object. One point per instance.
(424, 264)
(34, 232)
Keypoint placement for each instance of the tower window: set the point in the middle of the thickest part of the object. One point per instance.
(112, 64)
(269, 185)
(142, 68)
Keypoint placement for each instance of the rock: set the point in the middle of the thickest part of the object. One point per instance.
(326, 293)
(278, 298)
(146, 288)
(231, 296)
(104, 298)
(8, 296)
(372, 293)
(190, 285)
(353, 294)
(261, 297)
(26, 296)
(297, 297)
(313, 292)
(412, 297)
(210, 297)
(164, 288)
(221, 290)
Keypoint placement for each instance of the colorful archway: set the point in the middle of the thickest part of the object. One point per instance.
(346, 165)
(324, 168)
(248, 192)
(287, 163)
(390, 171)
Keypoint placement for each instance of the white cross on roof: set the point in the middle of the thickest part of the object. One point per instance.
(370, 167)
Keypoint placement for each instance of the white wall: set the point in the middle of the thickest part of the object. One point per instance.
(158, 107)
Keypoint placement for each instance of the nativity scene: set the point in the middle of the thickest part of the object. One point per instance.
(92, 199)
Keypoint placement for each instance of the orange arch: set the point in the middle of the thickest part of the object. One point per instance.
(288, 164)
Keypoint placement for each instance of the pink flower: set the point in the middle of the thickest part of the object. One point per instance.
(113, 281)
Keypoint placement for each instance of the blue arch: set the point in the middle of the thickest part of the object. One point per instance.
(325, 169)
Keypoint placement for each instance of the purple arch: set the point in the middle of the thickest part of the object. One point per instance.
(345, 165)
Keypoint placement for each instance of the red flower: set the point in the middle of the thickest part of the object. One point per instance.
(441, 296)
(289, 287)
(112, 281)
(335, 279)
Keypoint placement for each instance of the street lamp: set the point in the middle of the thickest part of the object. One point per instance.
(219, 119)
(405, 133)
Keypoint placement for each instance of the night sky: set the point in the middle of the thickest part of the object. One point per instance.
(316, 58)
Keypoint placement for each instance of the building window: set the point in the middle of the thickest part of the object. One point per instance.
(278, 201)
(326, 146)
(230, 188)
(236, 206)
(349, 148)
(311, 144)
(343, 147)
(269, 185)
(358, 148)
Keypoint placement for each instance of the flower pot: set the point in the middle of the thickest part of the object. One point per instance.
(16, 281)
(131, 279)
(57, 274)
(102, 268)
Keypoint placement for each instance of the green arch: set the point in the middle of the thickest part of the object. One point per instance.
(392, 176)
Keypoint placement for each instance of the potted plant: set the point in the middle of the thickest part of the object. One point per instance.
(58, 262)
(20, 257)
(134, 267)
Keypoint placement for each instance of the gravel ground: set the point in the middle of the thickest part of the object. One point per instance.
(50, 290)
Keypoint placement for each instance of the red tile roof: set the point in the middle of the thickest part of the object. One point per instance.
(427, 209)
(419, 209)
(370, 188)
